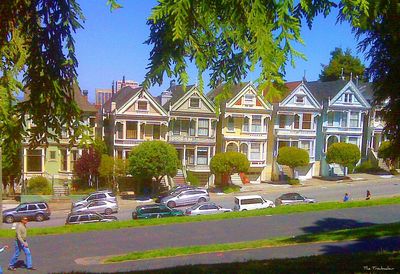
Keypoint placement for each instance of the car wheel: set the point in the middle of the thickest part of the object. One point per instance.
(244, 210)
(202, 200)
(158, 216)
(171, 204)
(9, 219)
(108, 211)
(39, 217)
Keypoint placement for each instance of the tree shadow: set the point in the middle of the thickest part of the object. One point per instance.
(332, 224)
(364, 245)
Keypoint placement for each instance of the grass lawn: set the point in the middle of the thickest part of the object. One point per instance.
(375, 231)
(8, 233)
(389, 262)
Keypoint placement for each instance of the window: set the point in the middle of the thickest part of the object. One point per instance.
(331, 117)
(32, 207)
(156, 132)
(244, 149)
(344, 119)
(348, 98)
(73, 219)
(74, 158)
(190, 156)
(131, 130)
(353, 119)
(246, 125)
(255, 151)
(52, 155)
(92, 121)
(249, 99)
(120, 130)
(176, 127)
(231, 123)
(22, 208)
(296, 121)
(283, 144)
(306, 145)
(203, 127)
(300, 99)
(42, 206)
(194, 102)
(142, 105)
(282, 121)
(185, 126)
(34, 160)
(94, 217)
(256, 123)
(306, 121)
(353, 140)
(84, 218)
(101, 196)
(202, 155)
(192, 128)
(64, 160)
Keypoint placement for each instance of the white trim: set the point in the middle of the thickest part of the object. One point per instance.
(307, 93)
(240, 94)
(357, 93)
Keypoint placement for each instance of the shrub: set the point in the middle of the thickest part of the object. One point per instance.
(294, 182)
(368, 167)
(394, 172)
(39, 185)
(192, 178)
(227, 163)
(388, 153)
(231, 189)
(293, 157)
(343, 154)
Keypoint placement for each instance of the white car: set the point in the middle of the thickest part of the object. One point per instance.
(102, 207)
(206, 208)
(251, 202)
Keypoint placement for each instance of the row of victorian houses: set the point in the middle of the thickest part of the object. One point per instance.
(311, 116)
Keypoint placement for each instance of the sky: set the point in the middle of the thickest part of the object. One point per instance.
(111, 46)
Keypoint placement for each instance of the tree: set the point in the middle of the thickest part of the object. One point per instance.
(342, 64)
(388, 153)
(153, 159)
(107, 167)
(293, 157)
(226, 163)
(343, 154)
(86, 167)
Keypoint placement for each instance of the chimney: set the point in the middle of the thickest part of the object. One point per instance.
(165, 97)
(172, 85)
(85, 93)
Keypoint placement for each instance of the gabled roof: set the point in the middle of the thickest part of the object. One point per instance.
(177, 93)
(293, 89)
(325, 90)
(235, 89)
(122, 97)
(179, 97)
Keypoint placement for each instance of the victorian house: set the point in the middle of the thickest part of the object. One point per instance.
(192, 124)
(245, 124)
(130, 117)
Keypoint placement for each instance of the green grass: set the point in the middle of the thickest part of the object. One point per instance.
(321, 264)
(8, 233)
(375, 231)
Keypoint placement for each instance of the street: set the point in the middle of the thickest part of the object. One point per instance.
(330, 192)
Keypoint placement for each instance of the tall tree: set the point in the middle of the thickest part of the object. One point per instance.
(342, 64)
(87, 166)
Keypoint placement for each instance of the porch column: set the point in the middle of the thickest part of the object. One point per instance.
(138, 129)
(68, 152)
(195, 155)
(43, 158)
(184, 155)
(208, 155)
(197, 127)
(209, 127)
(123, 130)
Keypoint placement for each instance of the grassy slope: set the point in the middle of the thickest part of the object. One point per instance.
(339, 235)
(8, 233)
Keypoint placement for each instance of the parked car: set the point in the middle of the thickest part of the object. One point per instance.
(101, 207)
(251, 202)
(104, 195)
(155, 211)
(293, 198)
(88, 217)
(173, 191)
(186, 197)
(206, 208)
(38, 211)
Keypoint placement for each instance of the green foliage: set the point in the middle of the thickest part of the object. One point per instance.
(368, 167)
(388, 152)
(229, 163)
(153, 159)
(39, 185)
(293, 157)
(350, 64)
(394, 172)
(192, 178)
(230, 189)
(343, 154)
(294, 182)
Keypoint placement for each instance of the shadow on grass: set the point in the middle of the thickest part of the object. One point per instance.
(332, 224)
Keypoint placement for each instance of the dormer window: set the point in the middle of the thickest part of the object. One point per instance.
(142, 106)
(348, 98)
(194, 102)
(299, 99)
(249, 100)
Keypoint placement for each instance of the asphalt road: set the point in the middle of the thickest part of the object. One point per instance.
(58, 253)
(330, 192)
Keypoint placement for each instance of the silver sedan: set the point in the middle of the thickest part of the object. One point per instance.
(206, 208)
(102, 207)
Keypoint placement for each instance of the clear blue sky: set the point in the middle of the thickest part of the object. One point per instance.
(112, 45)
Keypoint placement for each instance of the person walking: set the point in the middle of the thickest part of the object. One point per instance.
(21, 244)
(1, 250)
(368, 195)
(346, 197)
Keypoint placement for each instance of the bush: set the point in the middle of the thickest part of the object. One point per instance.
(294, 182)
(394, 172)
(388, 152)
(368, 167)
(293, 157)
(230, 189)
(227, 163)
(344, 154)
(192, 179)
(39, 185)
(82, 191)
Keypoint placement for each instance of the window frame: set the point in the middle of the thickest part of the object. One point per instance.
(142, 101)
(190, 102)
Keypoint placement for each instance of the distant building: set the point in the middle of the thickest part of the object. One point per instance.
(103, 95)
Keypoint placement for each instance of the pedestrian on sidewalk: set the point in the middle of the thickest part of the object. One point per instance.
(346, 197)
(368, 195)
(1, 250)
(21, 244)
